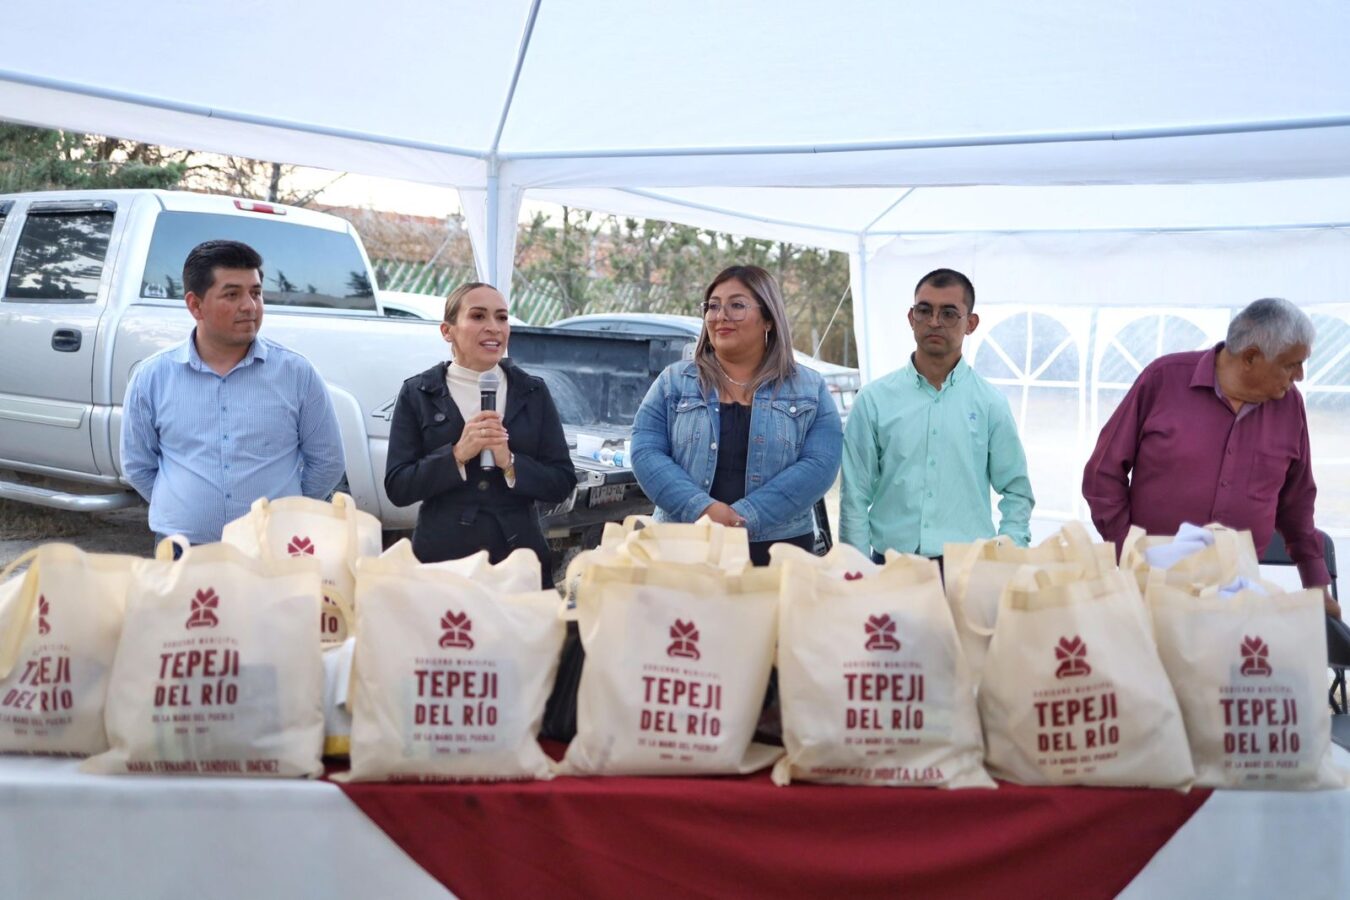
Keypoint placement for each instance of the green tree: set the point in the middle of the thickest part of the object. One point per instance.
(35, 159)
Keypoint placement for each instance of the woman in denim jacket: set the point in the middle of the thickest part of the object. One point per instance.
(741, 434)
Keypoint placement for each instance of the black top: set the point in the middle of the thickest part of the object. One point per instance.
(460, 516)
(733, 449)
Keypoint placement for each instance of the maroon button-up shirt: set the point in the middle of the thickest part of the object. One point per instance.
(1174, 451)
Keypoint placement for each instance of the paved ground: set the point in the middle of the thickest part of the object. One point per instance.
(23, 527)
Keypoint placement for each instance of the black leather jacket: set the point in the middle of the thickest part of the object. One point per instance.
(460, 516)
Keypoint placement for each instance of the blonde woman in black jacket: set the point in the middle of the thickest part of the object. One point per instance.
(438, 433)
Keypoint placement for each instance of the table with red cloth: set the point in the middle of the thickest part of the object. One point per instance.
(69, 834)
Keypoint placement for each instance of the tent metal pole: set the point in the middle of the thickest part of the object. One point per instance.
(890, 209)
(515, 74)
(951, 143)
(490, 252)
(749, 217)
(1151, 229)
(192, 109)
(860, 324)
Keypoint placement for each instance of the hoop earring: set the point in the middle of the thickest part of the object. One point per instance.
(766, 337)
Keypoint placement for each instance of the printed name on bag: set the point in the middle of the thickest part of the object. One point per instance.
(457, 696)
(1260, 715)
(44, 610)
(1077, 723)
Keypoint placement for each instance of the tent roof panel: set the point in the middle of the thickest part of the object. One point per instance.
(435, 73)
(703, 73)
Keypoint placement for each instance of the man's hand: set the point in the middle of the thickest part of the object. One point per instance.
(723, 514)
(1333, 608)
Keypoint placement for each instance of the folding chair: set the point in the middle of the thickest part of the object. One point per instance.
(1338, 634)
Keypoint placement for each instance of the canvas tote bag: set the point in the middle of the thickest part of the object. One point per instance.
(59, 625)
(639, 540)
(1250, 673)
(217, 670)
(451, 671)
(978, 572)
(874, 687)
(842, 562)
(337, 534)
(1073, 691)
(1231, 556)
(677, 661)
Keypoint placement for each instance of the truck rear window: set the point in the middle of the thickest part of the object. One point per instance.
(60, 256)
(302, 266)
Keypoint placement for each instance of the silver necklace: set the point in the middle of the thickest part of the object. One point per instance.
(739, 384)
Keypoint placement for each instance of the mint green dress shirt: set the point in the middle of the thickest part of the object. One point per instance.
(919, 463)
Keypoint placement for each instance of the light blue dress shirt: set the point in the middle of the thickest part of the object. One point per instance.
(201, 447)
(919, 463)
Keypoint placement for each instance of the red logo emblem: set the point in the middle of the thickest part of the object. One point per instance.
(1254, 657)
(1072, 656)
(456, 627)
(204, 610)
(684, 640)
(300, 546)
(852, 576)
(880, 633)
(43, 610)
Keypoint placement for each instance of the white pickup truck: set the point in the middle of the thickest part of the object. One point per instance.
(92, 285)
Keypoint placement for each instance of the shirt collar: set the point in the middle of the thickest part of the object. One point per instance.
(1204, 374)
(953, 377)
(188, 355)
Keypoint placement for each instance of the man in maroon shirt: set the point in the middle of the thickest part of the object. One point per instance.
(1218, 435)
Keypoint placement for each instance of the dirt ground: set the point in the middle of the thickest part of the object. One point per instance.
(23, 527)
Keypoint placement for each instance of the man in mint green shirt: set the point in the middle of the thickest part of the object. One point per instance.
(925, 444)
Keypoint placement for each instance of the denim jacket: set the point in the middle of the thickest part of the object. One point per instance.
(795, 446)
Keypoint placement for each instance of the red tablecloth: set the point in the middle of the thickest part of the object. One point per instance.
(645, 837)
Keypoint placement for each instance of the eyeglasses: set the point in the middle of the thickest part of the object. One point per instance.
(949, 315)
(734, 311)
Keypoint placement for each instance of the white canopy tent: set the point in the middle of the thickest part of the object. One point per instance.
(1064, 153)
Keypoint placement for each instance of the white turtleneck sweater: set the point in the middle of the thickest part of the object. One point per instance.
(463, 386)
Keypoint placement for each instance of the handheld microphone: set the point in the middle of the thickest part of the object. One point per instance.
(487, 401)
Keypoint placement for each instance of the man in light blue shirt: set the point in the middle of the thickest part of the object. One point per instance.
(226, 417)
(924, 444)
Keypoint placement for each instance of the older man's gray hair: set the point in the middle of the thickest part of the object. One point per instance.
(1272, 326)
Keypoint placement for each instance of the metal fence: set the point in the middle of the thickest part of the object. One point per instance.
(537, 301)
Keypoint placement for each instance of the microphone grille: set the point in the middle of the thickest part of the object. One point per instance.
(488, 381)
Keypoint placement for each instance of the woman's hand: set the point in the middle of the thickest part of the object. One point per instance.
(483, 432)
(723, 514)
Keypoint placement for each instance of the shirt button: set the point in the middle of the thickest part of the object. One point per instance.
(1223, 484)
(930, 493)
(482, 485)
(934, 431)
(792, 409)
(714, 447)
(932, 462)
